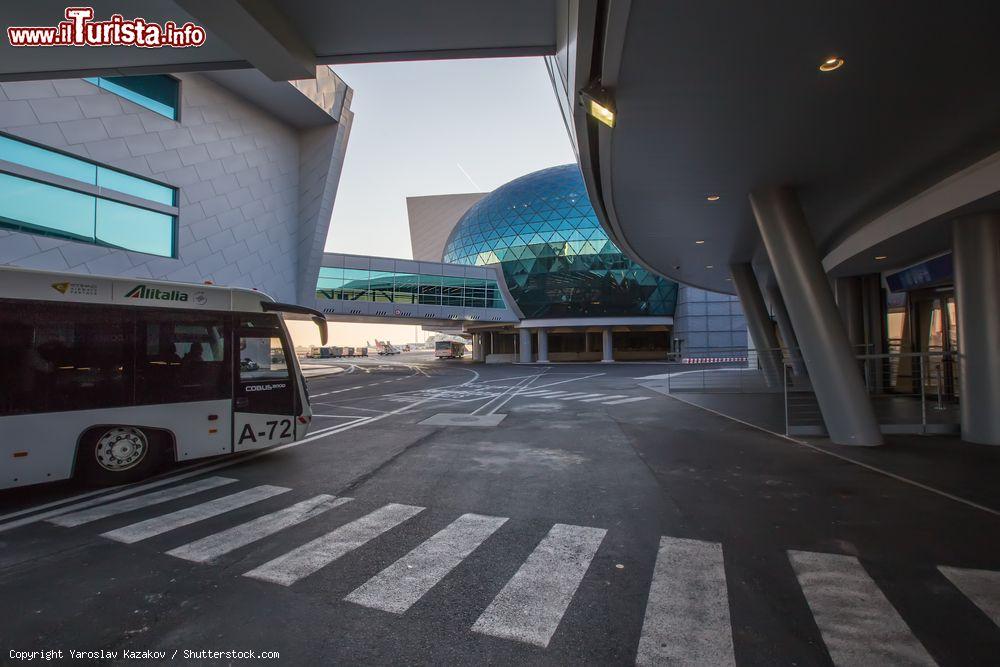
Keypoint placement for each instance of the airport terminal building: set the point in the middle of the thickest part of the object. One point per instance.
(577, 297)
(227, 176)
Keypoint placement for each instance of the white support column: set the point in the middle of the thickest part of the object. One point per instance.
(758, 322)
(543, 346)
(840, 392)
(608, 352)
(525, 345)
(976, 255)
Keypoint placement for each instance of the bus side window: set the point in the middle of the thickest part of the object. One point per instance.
(182, 357)
(65, 358)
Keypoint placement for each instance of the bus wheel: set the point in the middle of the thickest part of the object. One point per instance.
(117, 454)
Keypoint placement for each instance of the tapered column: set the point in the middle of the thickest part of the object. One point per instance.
(478, 353)
(785, 328)
(849, 303)
(976, 255)
(608, 352)
(525, 345)
(758, 322)
(840, 392)
(543, 346)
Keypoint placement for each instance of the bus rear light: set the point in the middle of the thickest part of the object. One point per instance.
(213, 430)
(20, 455)
(212, 418)
(303, 419)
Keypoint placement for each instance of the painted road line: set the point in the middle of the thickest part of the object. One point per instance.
(858, 624)
(542, 394)
(322, 551)
(628, 400)
(573, 396)
(530, 606)
(602, 398)
(167, 522)
(74, 503)
(399, 586)
(137, 502)
(583, 396)
(980, 586)
(221, 543)
(687, 614)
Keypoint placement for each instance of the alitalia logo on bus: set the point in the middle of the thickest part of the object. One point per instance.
(144, 292)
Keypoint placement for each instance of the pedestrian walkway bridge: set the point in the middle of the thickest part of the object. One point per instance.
(358, 288)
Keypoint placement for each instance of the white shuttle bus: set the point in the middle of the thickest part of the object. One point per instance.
(106, 378)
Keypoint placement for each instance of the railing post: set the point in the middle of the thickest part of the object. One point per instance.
(923, 397)
(784, 377)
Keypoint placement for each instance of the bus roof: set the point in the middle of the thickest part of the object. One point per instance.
(20, 283)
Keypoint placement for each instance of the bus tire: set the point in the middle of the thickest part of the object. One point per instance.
(118, 454)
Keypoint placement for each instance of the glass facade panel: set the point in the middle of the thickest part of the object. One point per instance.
(556, 259)
(355, 286)
(37, 207)
(132, 228)
(135, 186)
(381, 285)
(157, 92)
(403, 288)
(406, 288)
(43, 208)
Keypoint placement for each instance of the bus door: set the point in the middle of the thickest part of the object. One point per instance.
(264, 398)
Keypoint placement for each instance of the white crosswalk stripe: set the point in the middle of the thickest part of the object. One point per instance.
(627, 400)
(530, 606)
(138, 502)
(219, 544)
(546, 394)
(687, 614)
(167, 522)
(322, 551)
(581, 397)
(573, 396)
(858, 624)
(601, 398)
(399, 586)
(980, 586)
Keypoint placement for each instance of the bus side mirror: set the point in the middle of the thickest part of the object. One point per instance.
(323, 330)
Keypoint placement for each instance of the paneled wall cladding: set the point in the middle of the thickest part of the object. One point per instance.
(556, 258)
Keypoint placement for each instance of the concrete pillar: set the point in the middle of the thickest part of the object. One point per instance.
(849, 303)
(586, 341)
(758, 322)
(785, 328)
(840, 392)
(525, 345)
(543, 346)
(478, 353)
(976, 256)
(608, 352)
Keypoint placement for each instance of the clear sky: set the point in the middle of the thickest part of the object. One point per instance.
(417, 126)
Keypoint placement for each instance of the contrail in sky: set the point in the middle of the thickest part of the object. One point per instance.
(474, 184)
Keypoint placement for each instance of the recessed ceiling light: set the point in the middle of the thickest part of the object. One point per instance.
(881, 257)
(699, 242)
(709, 266)
(713, 197)
(831, 63)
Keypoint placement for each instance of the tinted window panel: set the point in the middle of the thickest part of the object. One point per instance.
(182, 357)
(48, 161)
(135, 186)
(34, 206)
(70, 358)
(134, 228)
(157, 92)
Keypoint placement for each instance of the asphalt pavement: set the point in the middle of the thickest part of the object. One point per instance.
(447, 512)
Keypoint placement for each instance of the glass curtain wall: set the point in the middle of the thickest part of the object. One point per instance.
(407, 288)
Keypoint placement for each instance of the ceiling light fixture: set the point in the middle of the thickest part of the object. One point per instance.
(709, 266)
(598, 103)
(713, 197)
(831, 63)
(879, 258)
(699, 242)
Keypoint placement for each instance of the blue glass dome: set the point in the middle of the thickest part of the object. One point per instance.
(556, 258)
